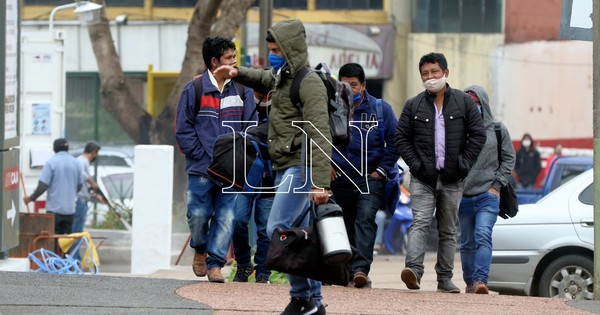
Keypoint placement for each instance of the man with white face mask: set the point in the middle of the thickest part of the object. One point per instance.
(439, 135)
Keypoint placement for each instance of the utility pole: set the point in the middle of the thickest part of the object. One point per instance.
(596, 127)
(266, 17)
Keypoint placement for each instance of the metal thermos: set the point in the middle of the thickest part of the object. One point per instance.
(332, 234)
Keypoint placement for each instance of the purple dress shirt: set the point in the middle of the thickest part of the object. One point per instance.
(440, 139)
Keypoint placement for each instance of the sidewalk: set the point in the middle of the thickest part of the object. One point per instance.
(178, 291)
(388, 295)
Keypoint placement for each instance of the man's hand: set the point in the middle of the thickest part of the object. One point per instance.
(319, 195)
(26, 199)
(332, 174)
(494, 192)
(376, 176)
(226, 72)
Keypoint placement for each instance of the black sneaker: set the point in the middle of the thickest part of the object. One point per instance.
(242, 274)
(321, 310)
(262, 279)
(300, 306)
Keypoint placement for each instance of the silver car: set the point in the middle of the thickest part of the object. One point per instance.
(548, 248)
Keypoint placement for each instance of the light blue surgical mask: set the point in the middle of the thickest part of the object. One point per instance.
(357, 97)
(276, 61)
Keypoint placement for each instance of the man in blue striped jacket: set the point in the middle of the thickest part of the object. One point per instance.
(217, 109)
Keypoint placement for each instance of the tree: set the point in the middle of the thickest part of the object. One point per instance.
(210, 17)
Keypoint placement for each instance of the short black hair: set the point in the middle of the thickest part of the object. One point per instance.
(434, 57)
(215, 47)
(61, 144)
(270, 37)
(351, 70)
(91, 147)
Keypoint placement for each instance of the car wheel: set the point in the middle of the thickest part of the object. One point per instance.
(568, 277)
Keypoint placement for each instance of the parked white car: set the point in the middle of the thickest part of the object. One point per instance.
(548, 248)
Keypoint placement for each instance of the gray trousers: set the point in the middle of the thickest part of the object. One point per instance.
(425, 200)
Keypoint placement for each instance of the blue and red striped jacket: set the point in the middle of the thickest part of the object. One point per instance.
(219, 113)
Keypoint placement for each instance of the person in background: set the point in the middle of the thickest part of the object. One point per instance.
(439, 135)
(528, 163)
(261, 204)
(62, 177)
(89, 191)
(556, 153)
(361, 195)
(210, 210)
(480, 203)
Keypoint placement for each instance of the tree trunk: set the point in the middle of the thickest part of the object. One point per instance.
(117, 98)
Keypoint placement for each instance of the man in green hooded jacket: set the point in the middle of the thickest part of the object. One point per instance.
(292, 133)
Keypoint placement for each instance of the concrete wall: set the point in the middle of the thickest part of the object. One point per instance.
(545, 88)
(532, 20)
(468, 55)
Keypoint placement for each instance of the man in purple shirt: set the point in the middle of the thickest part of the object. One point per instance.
(439, 135)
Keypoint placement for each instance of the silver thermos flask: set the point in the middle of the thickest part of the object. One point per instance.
(332, 234)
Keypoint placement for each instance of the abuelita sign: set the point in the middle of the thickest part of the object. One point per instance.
(371, 46)
(576, 20)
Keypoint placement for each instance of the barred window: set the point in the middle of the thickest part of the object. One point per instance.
(457, 16)
(350, 4)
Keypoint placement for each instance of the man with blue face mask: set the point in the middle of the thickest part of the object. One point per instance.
(358, 190)
(289, 128)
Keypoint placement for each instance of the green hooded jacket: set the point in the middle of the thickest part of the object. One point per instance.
(285, 139)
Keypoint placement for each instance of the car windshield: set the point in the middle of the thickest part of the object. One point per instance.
(119, 186)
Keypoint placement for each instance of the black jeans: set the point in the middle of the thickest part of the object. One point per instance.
(359, 209)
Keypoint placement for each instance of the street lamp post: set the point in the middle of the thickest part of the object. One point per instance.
(87, 11)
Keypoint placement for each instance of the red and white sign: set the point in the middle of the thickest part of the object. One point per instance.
(11, 178)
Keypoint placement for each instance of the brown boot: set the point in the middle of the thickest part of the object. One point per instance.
(214, 275)
(199, 264)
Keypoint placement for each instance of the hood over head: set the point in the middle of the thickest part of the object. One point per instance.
(291, 37)
(483, 98)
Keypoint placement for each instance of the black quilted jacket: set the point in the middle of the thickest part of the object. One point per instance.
(415, 136)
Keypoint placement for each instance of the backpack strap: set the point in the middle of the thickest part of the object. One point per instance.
(379, 111)
(497, 130)
(295, 87)
(241, 89)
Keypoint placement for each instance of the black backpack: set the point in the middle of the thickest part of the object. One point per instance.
(339, 106)
(228, 169)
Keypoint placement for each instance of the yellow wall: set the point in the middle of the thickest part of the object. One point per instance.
(184, 14)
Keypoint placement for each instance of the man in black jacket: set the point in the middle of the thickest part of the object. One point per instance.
(439, 135)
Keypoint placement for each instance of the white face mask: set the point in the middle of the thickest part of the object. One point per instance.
(435, 85)
(526, 143)
(262, 103)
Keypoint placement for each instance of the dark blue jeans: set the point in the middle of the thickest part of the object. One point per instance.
(359, 216)
(477, 216)
(210, 214)
(261, 204)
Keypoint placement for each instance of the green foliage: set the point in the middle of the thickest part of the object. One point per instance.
(276, 277)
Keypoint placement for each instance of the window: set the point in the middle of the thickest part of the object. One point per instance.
(286, 4)
(350, 4)
(569, 172)
(174, 3)
(110, 3)
(587, 195)
(457, 16)
(124, 3)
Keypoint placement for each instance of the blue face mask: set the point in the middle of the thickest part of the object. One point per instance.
(357, 97)
(276, 61)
